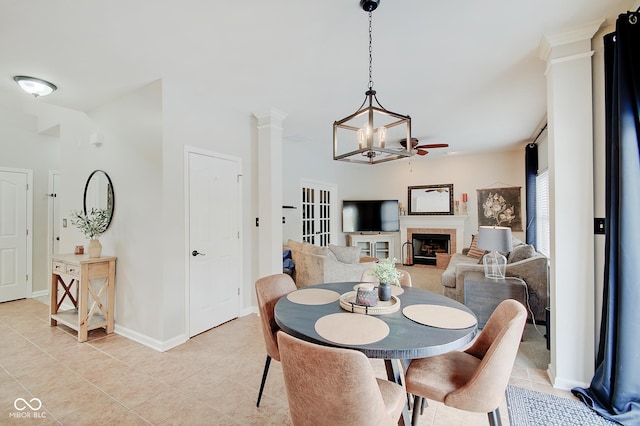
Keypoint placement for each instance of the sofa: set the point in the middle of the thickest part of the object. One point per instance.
(315, 265)
(522, 262)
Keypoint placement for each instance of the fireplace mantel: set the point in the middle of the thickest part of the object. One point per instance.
(444, 222)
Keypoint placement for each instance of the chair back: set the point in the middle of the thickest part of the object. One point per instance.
(330, 386)
(268, 290)
(369, 277)
(497, 348)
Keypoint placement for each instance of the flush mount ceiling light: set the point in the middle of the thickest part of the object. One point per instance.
(35, 86)
(370, 134)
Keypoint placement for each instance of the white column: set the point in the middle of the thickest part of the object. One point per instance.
(269, 191)
(569, 110)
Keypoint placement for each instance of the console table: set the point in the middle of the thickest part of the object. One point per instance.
(90, 310)
(482, 295)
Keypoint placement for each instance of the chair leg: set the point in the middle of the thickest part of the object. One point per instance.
(264, 379)
(417, 409)
(494, 417)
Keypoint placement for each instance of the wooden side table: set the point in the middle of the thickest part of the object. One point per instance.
(483, 295)
(90, 310)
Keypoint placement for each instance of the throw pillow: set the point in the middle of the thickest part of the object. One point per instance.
(294, 245)
(346, 254)
(474, 251)
(521, 252)
(317, 250)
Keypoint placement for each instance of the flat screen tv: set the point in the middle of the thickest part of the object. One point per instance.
(370, 216)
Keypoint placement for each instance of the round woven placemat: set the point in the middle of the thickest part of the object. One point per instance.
(439, 316)
(313, 296)
(351, 329)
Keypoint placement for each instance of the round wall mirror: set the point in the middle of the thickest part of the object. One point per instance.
(98, 194)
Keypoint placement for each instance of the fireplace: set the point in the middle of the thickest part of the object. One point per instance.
(427, 246)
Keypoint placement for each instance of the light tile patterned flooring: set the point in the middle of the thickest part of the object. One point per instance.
(212, 379)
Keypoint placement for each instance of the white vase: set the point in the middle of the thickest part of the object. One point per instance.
(95, 248)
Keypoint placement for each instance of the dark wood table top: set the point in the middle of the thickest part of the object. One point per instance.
(406, 340)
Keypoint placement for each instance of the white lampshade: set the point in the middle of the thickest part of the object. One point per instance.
(35, 86)
(496, 239)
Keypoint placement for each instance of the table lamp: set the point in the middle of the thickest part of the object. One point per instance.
(496, 239)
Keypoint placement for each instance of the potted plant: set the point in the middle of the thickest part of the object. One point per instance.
(386, 273)
(92, 225)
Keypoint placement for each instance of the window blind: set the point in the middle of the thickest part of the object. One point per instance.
(543, 229)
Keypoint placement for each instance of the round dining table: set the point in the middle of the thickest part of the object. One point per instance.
(307, 316)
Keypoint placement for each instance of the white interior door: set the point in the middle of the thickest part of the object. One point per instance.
(214, 240)
(13, 235)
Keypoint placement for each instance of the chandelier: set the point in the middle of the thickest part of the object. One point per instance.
(370, 134)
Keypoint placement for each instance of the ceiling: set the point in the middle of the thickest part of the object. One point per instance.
(467, 72)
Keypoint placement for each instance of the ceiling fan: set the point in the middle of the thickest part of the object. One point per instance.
(422, 149)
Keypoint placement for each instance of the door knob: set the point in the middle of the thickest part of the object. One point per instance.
(195, 253)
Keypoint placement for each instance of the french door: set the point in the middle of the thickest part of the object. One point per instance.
(318, 213)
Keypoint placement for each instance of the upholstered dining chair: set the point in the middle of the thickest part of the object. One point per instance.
(476, 379)
(369, 277)
(335, 386)
(268, 290)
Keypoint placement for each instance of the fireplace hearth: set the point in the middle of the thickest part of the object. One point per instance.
(427, 246)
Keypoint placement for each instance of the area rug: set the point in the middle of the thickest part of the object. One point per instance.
(531, 408)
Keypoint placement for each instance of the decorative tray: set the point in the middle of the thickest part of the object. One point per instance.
(348, 303)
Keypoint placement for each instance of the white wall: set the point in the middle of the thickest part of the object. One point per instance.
(467, 173)
(131, 154)
(22, 147)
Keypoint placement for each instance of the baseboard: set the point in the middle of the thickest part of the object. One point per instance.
(162, 346)
(564, 384)
(158, 345)
(248, 311)
(39, 294)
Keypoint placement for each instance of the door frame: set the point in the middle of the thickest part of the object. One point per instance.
(187, 214)
(29, 224)
(51, 225)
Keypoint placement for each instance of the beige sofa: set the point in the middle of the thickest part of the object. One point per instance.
(315, 265)
(522, 262)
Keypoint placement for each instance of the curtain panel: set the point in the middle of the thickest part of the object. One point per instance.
(614, 391)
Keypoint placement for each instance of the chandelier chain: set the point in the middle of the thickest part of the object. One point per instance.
(370, 53)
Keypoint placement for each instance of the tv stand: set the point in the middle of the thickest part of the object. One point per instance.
(378, 245)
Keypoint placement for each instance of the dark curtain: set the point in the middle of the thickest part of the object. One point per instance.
(614, 391)
(530, 171)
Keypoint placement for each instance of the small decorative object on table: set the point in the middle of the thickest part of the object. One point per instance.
(386, 273)
(92, 225)
(366, 295)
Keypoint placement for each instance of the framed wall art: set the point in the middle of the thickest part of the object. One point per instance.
(431, 199)
(500, 207)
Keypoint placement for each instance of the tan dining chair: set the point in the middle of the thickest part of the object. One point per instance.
(335, 386)
(268, 290)
(476, 379)
(369, 277)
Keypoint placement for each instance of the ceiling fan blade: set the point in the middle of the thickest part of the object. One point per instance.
(433, 145)
(422, 152)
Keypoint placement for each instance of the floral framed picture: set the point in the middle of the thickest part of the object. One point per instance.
(500, 207)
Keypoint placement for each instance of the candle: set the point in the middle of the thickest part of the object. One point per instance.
(464, 197)
(457, 203)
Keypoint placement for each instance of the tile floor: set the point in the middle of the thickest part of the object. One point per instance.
(213, 379)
